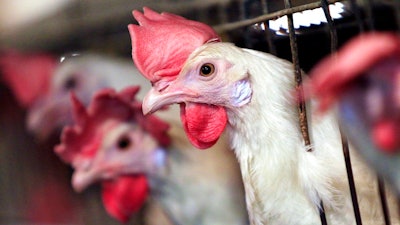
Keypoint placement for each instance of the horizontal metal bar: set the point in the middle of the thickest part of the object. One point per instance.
(274, 15)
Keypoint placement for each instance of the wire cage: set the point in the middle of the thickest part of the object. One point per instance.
(356, 17)
(277, 27)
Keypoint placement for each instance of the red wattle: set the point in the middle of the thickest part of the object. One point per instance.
(386, 136)
(124, 196)
(203, 123)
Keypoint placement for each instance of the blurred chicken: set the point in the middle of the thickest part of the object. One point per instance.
(249, 92)
(364, 79)
(42, 85)
(27, 75)
(112, 140)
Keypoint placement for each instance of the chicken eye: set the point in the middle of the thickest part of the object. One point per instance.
(124, 142)
(207, 69)
(70, 83)
(363, 82)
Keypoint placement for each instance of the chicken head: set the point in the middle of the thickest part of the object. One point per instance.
(363, 79)
(82, 74)
(364, 75)
(197, 80)
(112, 142)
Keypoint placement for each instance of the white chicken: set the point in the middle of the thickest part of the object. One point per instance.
(84, 74)
(114, 143)
(43, 86)
(367, 95)
(218, 84)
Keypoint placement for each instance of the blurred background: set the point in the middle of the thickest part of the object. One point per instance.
(34, 184)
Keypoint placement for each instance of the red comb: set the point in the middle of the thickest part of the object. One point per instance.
(161, 43)
(27, 75)
(83, 138)
(332, 74)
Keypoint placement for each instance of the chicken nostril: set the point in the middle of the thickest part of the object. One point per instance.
(161, 88)
(82, 164)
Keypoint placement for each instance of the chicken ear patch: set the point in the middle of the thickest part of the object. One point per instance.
(203, 123)
(124, 196)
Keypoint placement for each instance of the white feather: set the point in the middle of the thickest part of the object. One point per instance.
(284, 182)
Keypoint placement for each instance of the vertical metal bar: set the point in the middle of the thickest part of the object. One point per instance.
(331, 26)
(243, 16)
(381, 183)
(350, 177)
(298, 76)
(271, 46)
(397, 12)
(382, 195)
(345, 146)
(369, 13)
(357, 15)
(242, 9)
(322, 215)
(222, 14)
(301, 105)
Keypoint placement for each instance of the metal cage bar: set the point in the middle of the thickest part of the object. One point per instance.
(363, 25)
(397, 10)
(288, 11)
(301, 105)
(382, 195)
(350, 177)
(331, 25)
(298, 77)
(271, 46)
(345, 145)
(381, 183)
(369, 14)
(357, 15)
(364, 20)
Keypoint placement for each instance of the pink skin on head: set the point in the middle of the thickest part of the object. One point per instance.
(27, 75)
(161, 44)
(333, 75)
(80, 144)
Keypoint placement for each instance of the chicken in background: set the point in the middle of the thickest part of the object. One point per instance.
(49, 106)
(112, 142)
(28, 75)
(43, 86)
(218, 86)
(27, 175)
(363, 79)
